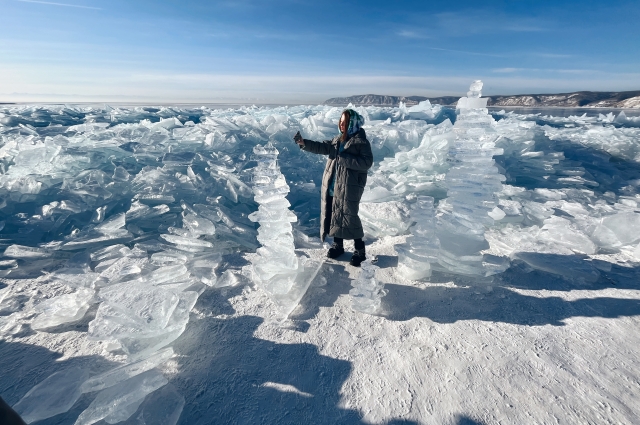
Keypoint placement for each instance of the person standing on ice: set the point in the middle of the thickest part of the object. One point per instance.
(343, 182)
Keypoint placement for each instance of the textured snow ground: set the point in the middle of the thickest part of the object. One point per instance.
(528, 347)
(532, 348)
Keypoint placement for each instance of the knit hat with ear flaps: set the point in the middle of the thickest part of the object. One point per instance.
(356, 121)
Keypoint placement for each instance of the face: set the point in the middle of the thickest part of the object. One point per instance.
(343, 123)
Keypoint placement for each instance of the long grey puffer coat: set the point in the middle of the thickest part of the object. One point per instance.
(351, 167)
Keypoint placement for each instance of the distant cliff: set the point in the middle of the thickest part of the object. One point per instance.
(581, 99)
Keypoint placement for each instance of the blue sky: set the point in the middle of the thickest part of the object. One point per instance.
(307, 51)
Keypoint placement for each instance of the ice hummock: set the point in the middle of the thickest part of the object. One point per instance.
(96, 197)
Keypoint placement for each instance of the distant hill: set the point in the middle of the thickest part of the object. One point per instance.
(382, 100)
(584, 99)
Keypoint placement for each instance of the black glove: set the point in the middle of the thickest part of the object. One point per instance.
(333, 153)
(297, 138)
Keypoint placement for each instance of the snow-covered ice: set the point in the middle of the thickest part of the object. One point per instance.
(125, 232)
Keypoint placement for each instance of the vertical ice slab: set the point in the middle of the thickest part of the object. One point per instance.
(420, 250)
(471, 183)
(277, 269)
(367, 292)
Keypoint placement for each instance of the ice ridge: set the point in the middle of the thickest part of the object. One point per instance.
(472, 183)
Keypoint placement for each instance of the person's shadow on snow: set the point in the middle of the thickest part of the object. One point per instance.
(228, 376)
(25, 365)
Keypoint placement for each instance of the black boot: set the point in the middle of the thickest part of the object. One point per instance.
(335, 251)
(357, 257)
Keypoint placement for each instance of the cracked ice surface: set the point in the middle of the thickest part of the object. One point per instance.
(127, 212)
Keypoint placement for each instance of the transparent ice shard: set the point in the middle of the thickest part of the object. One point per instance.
(120, 268)
(203, 267)
(62, 309)
(228, 278)
(163, 406)
(25, 252)
(112, 251)
(168, 257)
(423, 110)
(6, 266)
(112, 225)
(183, 242)
(604, 237)
(121, 174)
(367, 291)
(625, 226)
(138, 347)
(55, 395)
(126, 371)
(560, 231)
(289, 300)
(418, 164)
(381, 219)
(143, 312)
(167, 274)
(198, 225)
(97, 239)
(422, 247)
(119, 402)
(139, 210)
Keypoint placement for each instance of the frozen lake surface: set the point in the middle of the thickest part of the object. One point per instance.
(127, 241)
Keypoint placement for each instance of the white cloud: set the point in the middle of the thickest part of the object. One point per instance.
(495, 55)
(49, 3)
(471, 21)
(412, 34)
(508, 70)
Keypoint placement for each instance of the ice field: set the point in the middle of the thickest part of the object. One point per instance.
(150, 255)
